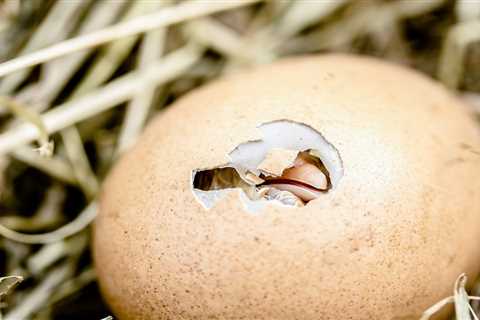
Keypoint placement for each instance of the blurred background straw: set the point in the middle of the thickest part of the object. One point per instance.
(81, 78)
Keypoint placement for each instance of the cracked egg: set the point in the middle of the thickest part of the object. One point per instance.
(322, 187)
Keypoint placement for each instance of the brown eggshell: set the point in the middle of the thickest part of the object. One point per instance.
(386, 243)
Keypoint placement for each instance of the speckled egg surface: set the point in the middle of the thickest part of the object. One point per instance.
(386, 242)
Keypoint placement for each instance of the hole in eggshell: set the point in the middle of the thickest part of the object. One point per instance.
(292, 165)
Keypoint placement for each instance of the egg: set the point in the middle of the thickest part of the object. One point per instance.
(316, 187)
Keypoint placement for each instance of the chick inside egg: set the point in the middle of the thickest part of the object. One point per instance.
(292, 165)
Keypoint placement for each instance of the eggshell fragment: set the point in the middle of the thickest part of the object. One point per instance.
(253, 179)
(277, 160)
(401, 224)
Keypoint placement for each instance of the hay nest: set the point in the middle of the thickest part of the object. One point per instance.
(80, 79)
